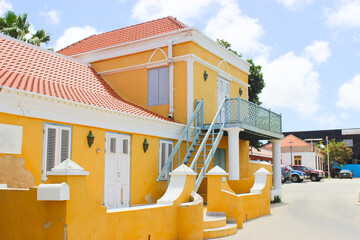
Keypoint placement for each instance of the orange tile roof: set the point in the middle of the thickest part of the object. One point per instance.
(30, 68)
(296, 142)
(124, 35)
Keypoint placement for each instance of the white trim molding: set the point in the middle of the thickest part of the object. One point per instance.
(158, 41)
(29, 104)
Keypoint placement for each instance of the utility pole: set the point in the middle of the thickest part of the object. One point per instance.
(327, 146)
(291, 160)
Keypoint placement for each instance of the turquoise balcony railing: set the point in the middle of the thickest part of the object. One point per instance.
(238, 110)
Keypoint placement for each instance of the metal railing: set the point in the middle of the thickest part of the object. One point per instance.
(202, 149)
(196, 120)
(241, 110)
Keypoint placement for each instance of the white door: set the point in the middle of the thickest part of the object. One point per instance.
(223, 92)
(117, 171)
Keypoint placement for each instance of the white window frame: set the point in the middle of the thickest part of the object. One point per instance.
(58, 128)
(167, 154)
(159, 101)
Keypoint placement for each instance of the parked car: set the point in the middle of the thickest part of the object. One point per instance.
(285, 174)
(345, 173)
(295, 176)
(314, 175)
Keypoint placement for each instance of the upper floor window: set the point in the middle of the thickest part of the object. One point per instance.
(348, 142)
(56, 146)
(158, 86)
(165, 150)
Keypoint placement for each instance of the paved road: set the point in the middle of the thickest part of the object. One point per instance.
(309, 210)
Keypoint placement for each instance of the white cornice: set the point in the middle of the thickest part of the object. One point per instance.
(158, 41)
(29, 104)
(177, 59)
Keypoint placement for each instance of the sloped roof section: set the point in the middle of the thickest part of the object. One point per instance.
(124, 35)
(30, 68)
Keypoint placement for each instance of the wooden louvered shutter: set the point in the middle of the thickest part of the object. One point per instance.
(50, 148)
(153, 87)
(163, 85)
(65, 144)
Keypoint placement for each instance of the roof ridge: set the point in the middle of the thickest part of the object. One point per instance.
(41, 49)
(171, 19)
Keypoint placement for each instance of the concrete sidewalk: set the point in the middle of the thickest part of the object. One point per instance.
(310, 210)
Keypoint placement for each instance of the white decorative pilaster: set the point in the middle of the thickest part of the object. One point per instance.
(233, 150)
(276, 168)
(190, 88)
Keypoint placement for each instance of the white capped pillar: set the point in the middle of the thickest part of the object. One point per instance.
(233, 150)
(276, 167)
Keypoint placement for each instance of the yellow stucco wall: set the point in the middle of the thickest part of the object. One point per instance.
(143, 170)
(131, 84)
(23, 217)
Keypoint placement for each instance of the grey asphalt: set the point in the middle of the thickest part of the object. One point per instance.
(328, 209)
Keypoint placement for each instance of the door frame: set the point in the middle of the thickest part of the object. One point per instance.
(108, 150)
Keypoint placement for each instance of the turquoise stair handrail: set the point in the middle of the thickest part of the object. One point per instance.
(199, 107)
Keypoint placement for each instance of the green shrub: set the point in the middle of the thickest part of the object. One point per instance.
(277, 199)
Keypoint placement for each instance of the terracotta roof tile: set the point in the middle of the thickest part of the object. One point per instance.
(296, 142)
(33, 69)
(124, 35)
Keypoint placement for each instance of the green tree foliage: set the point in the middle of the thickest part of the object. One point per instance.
(256, 82)
(16, 26)
(339, 152)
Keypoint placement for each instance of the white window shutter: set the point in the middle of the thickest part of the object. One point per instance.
(153, 87)
(163, 85)
(50, 148)
(65, 144)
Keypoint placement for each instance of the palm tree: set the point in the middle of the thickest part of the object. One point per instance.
(16, 26)
(39, 37)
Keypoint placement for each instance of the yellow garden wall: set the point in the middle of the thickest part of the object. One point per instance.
(23, 217)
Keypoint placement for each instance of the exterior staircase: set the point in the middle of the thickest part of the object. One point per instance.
(216, 225)
(201, 149)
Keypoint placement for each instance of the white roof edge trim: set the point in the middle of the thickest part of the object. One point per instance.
(96, 108)
(199, 38)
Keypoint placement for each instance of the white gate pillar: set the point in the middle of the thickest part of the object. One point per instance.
(233, 150)
(276, 149)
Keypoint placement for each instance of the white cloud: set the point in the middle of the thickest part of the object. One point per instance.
(5, 5)
(348, 94)
(327, 121)
(344, 116)
(53, 16)
(345, 14)
(244, 33)
(295, 5)
(145, 10)
(74, 34)
(319, 51)
(291, 82)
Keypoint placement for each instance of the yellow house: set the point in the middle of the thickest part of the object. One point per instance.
(119, 131)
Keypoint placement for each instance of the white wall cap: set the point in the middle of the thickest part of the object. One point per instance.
(182, 170)
(196, 199)
(53, 192)
(260, 162)
(217, 171)
(68, 167)
(262, 171)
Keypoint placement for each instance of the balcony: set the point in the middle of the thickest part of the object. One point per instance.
(258, 123)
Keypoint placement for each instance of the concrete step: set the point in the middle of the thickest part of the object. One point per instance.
(227, 230)
(214, 221)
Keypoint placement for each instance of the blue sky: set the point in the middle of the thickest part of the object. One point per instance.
(309, 49)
